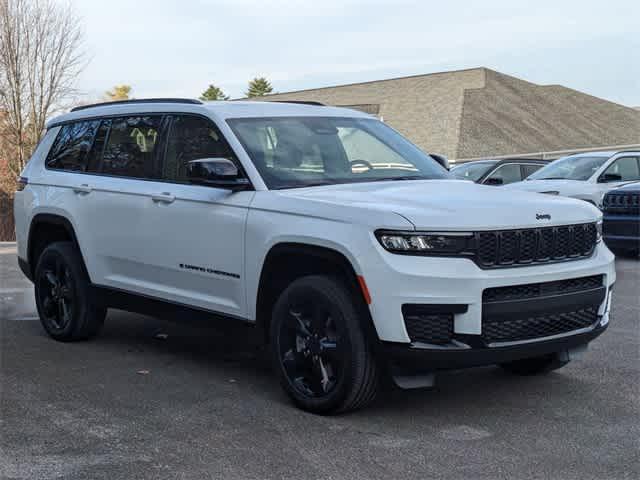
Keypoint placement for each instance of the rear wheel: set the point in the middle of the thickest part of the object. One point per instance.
(62, 295)
(319, 348)
(535, 366)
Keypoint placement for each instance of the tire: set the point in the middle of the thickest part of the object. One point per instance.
(62, 295)
(535, 366)
(319, 349)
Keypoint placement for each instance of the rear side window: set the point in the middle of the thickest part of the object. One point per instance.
(192, 138)
(73, 143)
(131, 147)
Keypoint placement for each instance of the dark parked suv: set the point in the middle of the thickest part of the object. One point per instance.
(622, 218)
(498, 172)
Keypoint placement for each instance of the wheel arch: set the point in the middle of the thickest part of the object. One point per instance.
(286, 261)
(46, 228)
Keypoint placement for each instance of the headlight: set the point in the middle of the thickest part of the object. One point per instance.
(424, 243)
(599, 231)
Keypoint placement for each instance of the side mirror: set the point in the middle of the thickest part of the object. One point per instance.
(441, 159)
(494, 181)
(610, 177)
(216, 172)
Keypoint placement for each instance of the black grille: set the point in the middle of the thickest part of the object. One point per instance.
(428, 328)
(535, 245)
(533, 290)
(622, 203)
(538, 327)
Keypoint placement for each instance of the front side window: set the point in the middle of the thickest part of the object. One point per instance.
(472, 170)
(131, 147)
(292, 152)
(192, 138)
(580, 167)
(505, 174)
(530, 169)
(70, 149)
(624, 169)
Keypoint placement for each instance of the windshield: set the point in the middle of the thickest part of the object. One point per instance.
(569, 168)
(472, 170)
(292, 152)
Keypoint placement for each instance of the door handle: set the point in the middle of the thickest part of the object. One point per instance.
(164, 197)
(84, 188)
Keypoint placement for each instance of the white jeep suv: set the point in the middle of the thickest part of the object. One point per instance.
(353, 253)
(585, 176)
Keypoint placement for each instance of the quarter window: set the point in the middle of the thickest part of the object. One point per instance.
(192, 138)
(69, 151)
(131, 147)
(505, 174)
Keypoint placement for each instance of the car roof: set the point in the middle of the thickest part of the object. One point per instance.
(219, 109)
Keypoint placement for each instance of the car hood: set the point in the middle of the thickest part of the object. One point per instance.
(563, 187)
(446, 204)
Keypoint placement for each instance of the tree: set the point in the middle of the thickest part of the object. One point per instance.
(119, 92)
(259, 86)
(213, 93)
(40, 59)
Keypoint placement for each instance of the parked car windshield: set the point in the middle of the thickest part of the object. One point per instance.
(292, 152)
(472, 170)
(570, 168)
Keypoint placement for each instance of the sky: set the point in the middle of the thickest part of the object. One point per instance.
(178, 47)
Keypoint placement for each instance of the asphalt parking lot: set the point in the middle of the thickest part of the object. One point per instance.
(153, 400)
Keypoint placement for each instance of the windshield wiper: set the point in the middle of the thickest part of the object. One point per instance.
(397, 179)
(549, 178)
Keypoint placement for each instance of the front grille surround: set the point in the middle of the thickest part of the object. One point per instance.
(622, 203)
(521, 247)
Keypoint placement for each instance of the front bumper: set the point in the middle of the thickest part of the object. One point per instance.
(621, 231)
(398, 280)
(414, 359)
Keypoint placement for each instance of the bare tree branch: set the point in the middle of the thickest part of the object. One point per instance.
(41, 56)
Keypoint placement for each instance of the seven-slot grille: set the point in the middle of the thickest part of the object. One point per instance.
(622, 203)
(535, 245)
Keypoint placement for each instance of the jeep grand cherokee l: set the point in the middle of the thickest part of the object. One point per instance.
(353, 252)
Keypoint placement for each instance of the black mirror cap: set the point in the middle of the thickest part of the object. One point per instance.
(610, 177)
(441, 159)
(216, 172)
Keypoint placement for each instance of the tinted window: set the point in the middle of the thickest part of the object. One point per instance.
(294, 152)
(72, 144)
(626, 168)
(95, 155)
(192, 138)
(131, 147)
(529, 169)
(505, 174)
(576, 167)
(472, 170)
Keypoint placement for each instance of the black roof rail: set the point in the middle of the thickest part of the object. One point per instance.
(190, 101)
(300, 102)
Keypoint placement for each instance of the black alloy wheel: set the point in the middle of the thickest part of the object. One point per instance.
(319, 348)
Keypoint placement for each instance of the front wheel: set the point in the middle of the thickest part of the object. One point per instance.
(319, 348)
